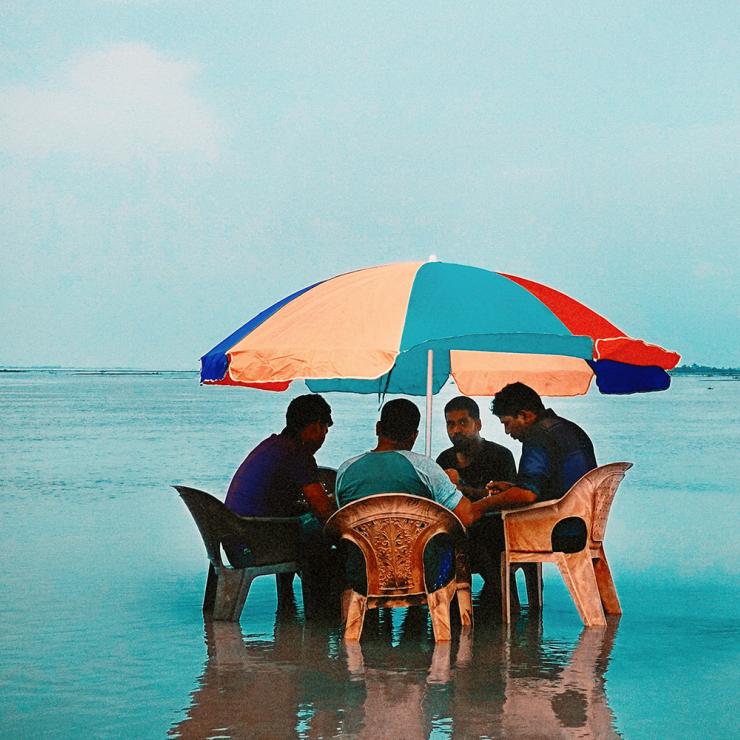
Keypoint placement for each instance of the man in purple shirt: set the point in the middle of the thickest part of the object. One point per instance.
(279, 477)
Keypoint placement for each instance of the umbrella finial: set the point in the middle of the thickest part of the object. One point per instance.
(433, 258)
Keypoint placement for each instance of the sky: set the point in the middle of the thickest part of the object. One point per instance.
(170, 169)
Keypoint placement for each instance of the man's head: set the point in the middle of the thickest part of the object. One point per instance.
(309, 418)
(518, 407)
(399, 423)
(463, 423)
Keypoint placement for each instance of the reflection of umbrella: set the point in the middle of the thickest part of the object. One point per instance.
(405, 328)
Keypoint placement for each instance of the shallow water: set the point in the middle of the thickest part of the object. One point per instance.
(102, 573)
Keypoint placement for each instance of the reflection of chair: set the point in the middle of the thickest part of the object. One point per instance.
(254, 546)
(529, 538)
(561, 698)
(392, 530)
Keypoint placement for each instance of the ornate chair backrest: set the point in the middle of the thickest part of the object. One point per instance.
(392, 530)
(256, 540)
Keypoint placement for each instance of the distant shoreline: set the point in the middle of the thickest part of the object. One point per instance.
(704, 370)
(696, 370)
(92, 371)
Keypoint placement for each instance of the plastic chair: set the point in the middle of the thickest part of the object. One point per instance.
(392, 530)
(254, 546)
(528, 534)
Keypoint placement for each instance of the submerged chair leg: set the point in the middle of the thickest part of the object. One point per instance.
(209, 598)
(463, 586)
(578, 574)
(356, 609)
(284, 582)
(346, 598)
(505, 588)
(464, 604)
(533, 579)
(226, 592)
(605, 582)
(439, 610)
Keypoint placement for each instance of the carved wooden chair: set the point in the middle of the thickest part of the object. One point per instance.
(254, 546)
(392, 530)
(528, 533)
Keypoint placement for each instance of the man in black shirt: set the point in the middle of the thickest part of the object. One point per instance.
(471, 463)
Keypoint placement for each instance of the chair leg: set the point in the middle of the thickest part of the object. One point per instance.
(505, 588)
(226, 592)
(533, 579)
(578, 574)
(439, 668)
(345, 602)
(439, 610)
(464, 604)
(515, 606)
(284, 583)
(209, 598)
(463, 585)
(605, 582)
(356, 608)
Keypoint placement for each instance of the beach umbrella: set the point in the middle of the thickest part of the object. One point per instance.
(406, 328)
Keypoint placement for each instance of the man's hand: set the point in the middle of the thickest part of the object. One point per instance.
(321, 505)
(497, 486)
(470, 511)
(453, 475)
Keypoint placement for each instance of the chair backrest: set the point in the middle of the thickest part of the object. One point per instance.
(246, 540)
(392, 530)
(596, 491)
(328, 479)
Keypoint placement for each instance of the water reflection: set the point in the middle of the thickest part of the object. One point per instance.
(305, 682)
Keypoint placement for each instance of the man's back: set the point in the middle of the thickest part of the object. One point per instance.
(269, 481)
(394, 471)
(555, 454)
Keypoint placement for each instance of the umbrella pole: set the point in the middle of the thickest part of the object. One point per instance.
(428, 426)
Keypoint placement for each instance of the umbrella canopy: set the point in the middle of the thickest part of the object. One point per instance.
(372, 330)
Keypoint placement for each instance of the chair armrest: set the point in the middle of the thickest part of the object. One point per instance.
(269, 539)
(529, 529)
(529, 507)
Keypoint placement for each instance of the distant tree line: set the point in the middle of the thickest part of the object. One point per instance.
(704, 370)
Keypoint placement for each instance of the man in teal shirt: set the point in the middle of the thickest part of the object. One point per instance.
(392, 468)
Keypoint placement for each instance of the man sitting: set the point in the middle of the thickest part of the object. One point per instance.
(392, 468)
(472, 462)
(555, 454)
(279, 477)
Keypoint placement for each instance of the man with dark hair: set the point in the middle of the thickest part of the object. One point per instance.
(279, 477)
(472, 461)
(392, 467)
(555, 452)
(280, 473)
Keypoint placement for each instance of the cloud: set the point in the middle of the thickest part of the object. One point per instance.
(114, 104)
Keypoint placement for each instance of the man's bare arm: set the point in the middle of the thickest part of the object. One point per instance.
(321, 505)
(470, 491)
(470, 511)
